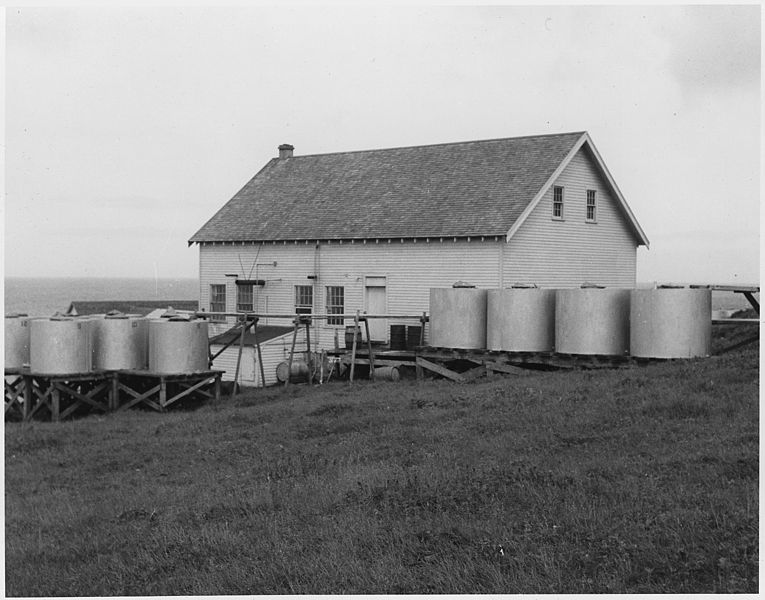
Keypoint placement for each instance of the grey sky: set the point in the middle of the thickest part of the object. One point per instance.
(126, 129)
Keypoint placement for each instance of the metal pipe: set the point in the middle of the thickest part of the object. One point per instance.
(312, 316)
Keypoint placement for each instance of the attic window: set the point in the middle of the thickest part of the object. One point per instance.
(591, 213)
(557, 202)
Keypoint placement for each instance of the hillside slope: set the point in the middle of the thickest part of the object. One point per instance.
(643, 480)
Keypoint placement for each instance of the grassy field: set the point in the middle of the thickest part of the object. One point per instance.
(642, 480)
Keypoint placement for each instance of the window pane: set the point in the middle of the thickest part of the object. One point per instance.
(244, 297)
(335, 304)
(303, 299)
(590, 205)
(217, 300)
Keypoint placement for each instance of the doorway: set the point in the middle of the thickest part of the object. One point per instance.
(375, 300)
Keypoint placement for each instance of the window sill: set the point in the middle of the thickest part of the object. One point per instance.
(591, 222)
(557, 219)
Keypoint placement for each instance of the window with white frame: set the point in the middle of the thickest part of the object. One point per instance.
(244, 297)
(303, 299)
(591, 210)
(335, 304)
(217, 300)
(557, 202)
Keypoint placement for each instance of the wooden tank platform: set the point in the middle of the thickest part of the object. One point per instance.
(55, 397)
(160, 390)
(466, 365)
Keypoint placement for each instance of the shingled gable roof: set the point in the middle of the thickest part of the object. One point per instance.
(464, 189)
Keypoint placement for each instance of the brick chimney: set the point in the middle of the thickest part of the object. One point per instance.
(285, 150)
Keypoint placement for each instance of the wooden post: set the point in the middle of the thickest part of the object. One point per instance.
(292, 351)
(245, 327)
(55, 403)
(114, 396)
(423, 320)
(28, 397)
(309, 357)
(260, 354)
(217, 386)
(369, 348)
(353, 347)
(162, 393)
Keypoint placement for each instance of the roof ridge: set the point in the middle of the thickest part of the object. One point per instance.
(500, 139)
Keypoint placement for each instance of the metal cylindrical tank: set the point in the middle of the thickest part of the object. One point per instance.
(61, 345)
(521, 319)
(16, 340)
(592, 321)
(178, 346)
(120, 342)
(458, 318)
(298, 374)
(671, 323)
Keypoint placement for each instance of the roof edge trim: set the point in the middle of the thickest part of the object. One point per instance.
(585, 139)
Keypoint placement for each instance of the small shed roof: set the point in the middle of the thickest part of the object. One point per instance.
(478, 188)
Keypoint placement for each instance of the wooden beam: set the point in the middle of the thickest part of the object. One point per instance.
(474, 373)
(504, 368)
(431, 366)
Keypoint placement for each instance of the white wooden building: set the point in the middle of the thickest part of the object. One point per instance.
(375, 230)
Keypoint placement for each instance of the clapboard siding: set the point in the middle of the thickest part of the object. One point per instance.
(410, 270)
(568, 252)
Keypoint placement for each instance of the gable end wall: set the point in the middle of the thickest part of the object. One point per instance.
(569, 252)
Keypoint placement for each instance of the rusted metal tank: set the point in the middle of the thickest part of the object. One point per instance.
(61, 345)
(120, 342)
(16, 340)
(592, 321)
(521, 319)
(671, 323)
(458, 317)
(178, 346)
(298, 374)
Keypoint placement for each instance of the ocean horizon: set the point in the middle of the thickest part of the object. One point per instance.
(43, 296)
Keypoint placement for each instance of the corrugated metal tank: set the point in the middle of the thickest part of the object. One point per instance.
(120, 342)
(61, 345)
(592, 321)
(458, 317)
(178, 346)
(671, 323)
(16, 340)
(521, 319)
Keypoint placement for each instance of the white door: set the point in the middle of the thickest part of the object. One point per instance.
(376, 305)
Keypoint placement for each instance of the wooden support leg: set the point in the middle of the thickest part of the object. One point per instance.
(115, 391)
(371, 354)
(353, 348)
(162, 394)
(260, 354)
(28, 397)
(292, 352)
(55, 413)
(753, 301)
(309, 356)
(217, 385)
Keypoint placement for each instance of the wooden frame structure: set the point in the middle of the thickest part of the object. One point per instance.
(30, 394)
